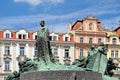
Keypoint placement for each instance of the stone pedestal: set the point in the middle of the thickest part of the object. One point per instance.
(61, 75)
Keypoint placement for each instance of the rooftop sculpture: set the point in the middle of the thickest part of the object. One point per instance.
(95, 63)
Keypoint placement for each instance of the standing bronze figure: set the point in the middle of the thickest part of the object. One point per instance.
(43, 44)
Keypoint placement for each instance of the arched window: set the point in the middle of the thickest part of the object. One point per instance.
(90, 26)
(114, 41)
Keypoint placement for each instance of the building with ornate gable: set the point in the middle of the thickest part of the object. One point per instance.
(87, 32)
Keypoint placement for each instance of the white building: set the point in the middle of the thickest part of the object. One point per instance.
(18, 45)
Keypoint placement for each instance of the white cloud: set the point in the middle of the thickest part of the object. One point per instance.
(58, 20)
(37, 2)
(111, 22)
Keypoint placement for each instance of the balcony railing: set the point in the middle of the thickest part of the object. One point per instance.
(67, 60)
(21, 57)
(7, 57)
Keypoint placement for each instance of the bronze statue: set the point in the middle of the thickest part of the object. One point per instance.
(27, 65)
(43, 44)
(13, 76)
(110, 67)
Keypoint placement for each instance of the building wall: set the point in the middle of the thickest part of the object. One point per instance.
(26, 39)
(113, 48)
(87, 28)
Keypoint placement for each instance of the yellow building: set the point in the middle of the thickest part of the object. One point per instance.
(113, 47)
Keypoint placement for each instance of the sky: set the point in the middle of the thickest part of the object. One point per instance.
(27, 14)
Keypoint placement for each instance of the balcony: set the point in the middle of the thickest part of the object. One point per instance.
(7, 71)
(56, 57)
(21, 57)
(67, 60)
(35, 57)
(7, 57)
(83, 45)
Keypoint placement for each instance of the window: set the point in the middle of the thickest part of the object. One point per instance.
(112, 54)
(35, 52)
(114, 41)
(116, 54)
(21, 50)
(55, 51)
(7, 65)
(81, 53)
(81, 40)
(66, 53)
(66, 38)
(7, 35)
(35, 36)
(19, 36)
(90, 26)
(54, 38)
(24, 36)
(90, 40)
(7, 50)
(99, 40)
(50, 37)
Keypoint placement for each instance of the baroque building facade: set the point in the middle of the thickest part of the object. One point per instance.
(87, 32)
(18, 45)
(113, 48)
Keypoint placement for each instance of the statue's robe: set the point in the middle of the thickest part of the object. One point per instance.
(98, 63)
(43, 44)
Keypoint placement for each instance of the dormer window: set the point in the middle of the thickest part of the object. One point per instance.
(24, 36)
(7, 35)
(114, 41)
(66, 38)
(20, 36)
(50, 37)
(54, 38)
(35, 37)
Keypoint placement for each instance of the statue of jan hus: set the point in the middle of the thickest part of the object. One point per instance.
(43, 44)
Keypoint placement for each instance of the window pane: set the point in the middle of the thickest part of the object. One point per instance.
(19, 36)
(99, 40)
(50, 37)
(112, 54)
(54, 38)
(81, 40)
(116, 54)
(35, 52)
(21, 50)
(66, 38)
(90, 40)
(81, 53)
(7, 65)
(7, 50)
(114, 41)
(35, 36)
(66, 53)
(7, 35)
(24, 36)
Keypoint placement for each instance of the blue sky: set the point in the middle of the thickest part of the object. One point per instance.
(17, 14)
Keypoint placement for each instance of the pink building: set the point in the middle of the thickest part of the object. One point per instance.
(87, 32)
